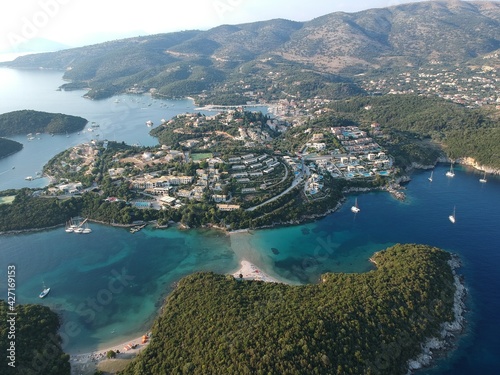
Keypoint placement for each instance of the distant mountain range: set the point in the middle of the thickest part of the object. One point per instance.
(36, 45)
(332, 48)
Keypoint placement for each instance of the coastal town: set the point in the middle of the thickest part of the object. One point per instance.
(471, 86)
(226, 160)
(267, 197)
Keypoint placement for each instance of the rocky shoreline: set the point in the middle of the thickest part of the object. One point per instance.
(437, 347)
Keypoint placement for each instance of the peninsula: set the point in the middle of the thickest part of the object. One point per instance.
(30, 341)
(31, 122)
(9, 147)
(227, 325)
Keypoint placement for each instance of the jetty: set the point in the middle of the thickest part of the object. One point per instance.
(137, 228)
(395, 190)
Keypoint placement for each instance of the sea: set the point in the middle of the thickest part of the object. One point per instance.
(110, 285)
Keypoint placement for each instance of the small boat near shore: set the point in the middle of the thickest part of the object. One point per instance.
(44, 292)
(483, 179)
(69, 227)
(450, 173)
(86, 229)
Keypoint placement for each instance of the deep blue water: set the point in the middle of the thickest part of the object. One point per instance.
(110, 284)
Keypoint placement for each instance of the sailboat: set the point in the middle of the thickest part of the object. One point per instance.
(483, 180)
(355, 208)
(44, 292)
(450, 173)
(430, 177)
(86, 229)
(69, 228)
(452, 216)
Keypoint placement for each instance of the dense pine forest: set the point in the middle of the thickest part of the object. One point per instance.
(8, 147)
(29, 212)
(29, 121)
(369, 323)
(36, 341)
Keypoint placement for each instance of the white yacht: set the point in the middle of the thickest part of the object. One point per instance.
(483, 180)
(452, 216)
(450, 173)
(86, 229)
(355, 208)
(44, 292)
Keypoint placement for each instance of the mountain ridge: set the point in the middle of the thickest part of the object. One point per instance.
(189, 62)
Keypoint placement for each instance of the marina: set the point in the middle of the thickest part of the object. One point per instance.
(77, 226)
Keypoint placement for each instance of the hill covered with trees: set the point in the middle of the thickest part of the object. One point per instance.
(37, 343)
(29, 121)
(8, 147)
(370, 323)
(414, 125)
(29, 212)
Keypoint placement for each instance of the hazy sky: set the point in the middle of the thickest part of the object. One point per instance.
(79, 22)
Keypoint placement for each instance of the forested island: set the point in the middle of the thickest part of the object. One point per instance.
(36, 348)
(9, 147)
(29, 121)
(369, 323)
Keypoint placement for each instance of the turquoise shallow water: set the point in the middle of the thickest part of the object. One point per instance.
(122, 278)
(109, 285)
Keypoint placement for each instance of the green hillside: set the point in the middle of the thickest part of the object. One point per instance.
(412, 121)
(37, 344)
(29, 121)
(8, 147)
(369, 323)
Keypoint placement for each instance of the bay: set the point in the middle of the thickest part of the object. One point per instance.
(121, 119)
(108, 286)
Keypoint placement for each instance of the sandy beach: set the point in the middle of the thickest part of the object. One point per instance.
(86, 363)
(250, 271)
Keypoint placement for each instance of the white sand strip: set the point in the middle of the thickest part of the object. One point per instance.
(87, 362)
(250, 271)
